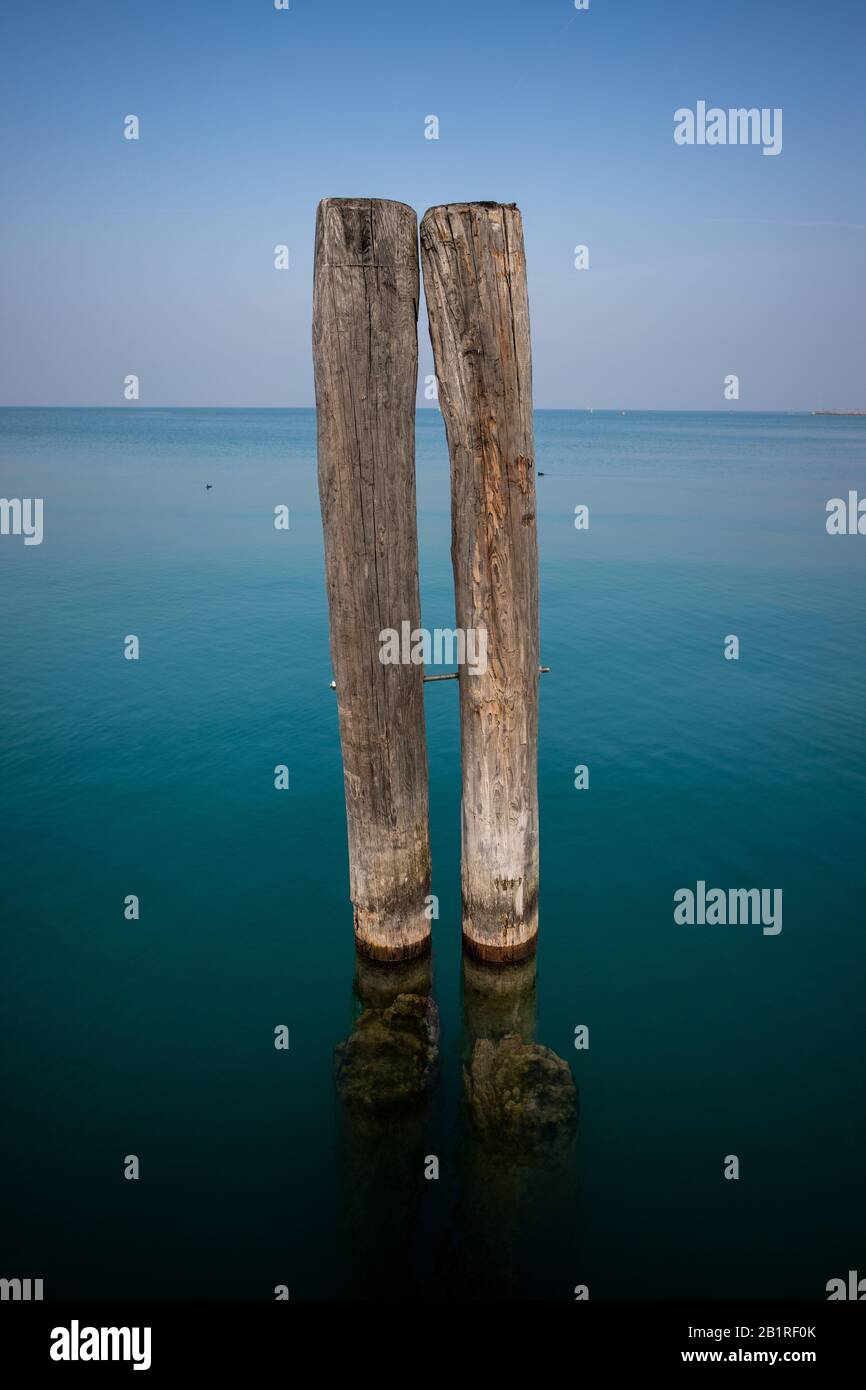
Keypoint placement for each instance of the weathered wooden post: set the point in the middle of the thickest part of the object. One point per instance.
(475, 284)
(365, 347)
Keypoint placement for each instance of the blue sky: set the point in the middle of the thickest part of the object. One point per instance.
(155, 257)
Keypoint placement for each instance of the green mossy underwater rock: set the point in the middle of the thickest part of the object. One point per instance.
(390, 1056)
(522, 1097)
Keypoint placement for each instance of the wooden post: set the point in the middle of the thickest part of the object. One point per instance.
(365, 348)
(475, 283)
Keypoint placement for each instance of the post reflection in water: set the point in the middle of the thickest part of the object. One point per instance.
(384, 1074)
(489, 1226)
(519, 1124)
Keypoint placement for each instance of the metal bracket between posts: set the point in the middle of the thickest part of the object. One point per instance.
(452, 676)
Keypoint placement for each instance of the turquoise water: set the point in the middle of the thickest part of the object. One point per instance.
(155, 777)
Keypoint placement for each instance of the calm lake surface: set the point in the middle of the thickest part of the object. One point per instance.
(156, 778)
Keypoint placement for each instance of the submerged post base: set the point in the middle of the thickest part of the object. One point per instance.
(509, 943)
(377, 983)
(500, 922)
(385, 937)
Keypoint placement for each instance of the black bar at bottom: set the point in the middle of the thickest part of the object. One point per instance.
(228, 1337)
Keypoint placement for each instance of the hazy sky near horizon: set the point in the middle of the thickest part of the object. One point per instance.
(156, 257)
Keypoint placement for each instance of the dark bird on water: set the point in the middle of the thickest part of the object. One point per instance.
(540, 474)
(208, 486)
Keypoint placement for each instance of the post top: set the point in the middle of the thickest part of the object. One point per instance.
(364, 203)
(365, 232)
(468, 207)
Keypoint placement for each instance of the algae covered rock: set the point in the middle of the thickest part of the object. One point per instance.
(521, 1095)
(390, 1056)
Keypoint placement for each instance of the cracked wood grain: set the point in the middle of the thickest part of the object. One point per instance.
(365, 350)
(475, 284)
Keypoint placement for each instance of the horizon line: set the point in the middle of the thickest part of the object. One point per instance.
(552, 409)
